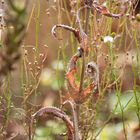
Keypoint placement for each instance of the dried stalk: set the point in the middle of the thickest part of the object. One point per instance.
(73, 106)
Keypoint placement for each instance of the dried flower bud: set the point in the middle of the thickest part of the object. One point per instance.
(25, 52)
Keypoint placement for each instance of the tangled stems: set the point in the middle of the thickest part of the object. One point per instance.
(76, 93)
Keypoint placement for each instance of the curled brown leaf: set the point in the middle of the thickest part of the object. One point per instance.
(57, 113)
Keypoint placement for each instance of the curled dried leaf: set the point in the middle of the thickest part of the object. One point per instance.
(75, 92)
(66, 27)
(57, 113)
(92, 71)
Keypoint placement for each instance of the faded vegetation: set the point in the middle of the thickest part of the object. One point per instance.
(94, 83)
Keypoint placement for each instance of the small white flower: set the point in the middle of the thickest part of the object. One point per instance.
(108, 39)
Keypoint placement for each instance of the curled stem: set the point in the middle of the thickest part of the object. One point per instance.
(66, 27)
(57, 113)
(75, 120)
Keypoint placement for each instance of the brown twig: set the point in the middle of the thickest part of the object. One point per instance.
(75, 119)
(66, 27)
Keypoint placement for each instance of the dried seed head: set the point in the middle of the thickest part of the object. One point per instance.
(105, 59)
(29, 63)
(98, 20)
(34, 49)
(98, 34)
(24, 86)
(38, 68)
(46, 46)
(92, 71)
(127, 15)
(2, 1)
(120, 67)
(25, 52)
(127, 53)
(41, 55)
(35, 63)
(133, 56)
(48, 13)
(133, 17)
(117, 56)
(31, 86)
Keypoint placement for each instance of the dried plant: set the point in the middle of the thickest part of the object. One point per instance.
(86, 85)
(77, 94)
(15, 25)
(57, 113)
